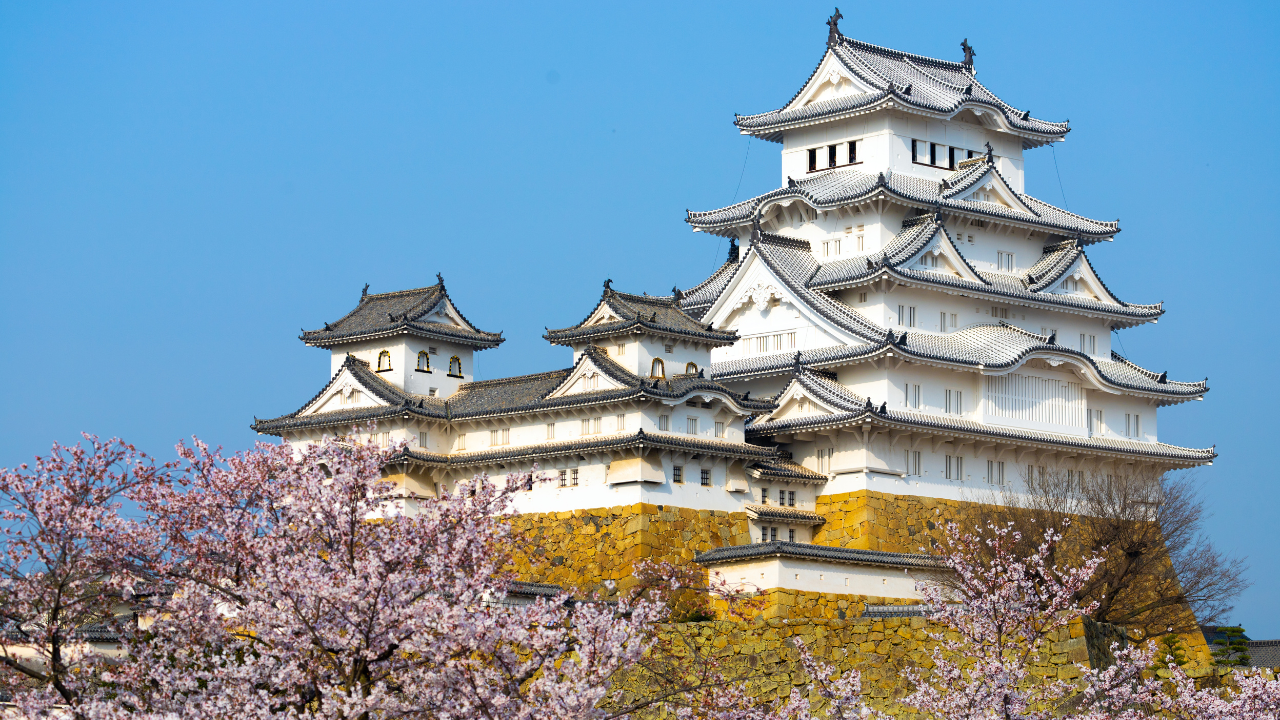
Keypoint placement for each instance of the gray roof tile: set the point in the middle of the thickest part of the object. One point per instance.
(805, 551)
(644, 314)
(395, 313)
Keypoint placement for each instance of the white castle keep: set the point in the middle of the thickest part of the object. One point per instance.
(901, 318)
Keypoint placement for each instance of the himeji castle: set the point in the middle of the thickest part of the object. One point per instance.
(898, 326)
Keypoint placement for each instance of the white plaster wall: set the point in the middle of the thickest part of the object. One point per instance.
(820, 576)
(404, 358)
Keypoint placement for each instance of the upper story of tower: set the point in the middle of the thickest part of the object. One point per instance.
(882, 110)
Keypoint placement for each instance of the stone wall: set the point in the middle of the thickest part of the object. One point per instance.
(870, 520)
(583, 548)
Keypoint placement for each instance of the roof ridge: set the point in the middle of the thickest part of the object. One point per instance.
(510, 380)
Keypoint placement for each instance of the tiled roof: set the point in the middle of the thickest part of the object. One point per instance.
(617, 441)
(805, 551)
(532, 589)
(841, 187)
(505, 396)
(937, 87)
(778, 513)
(895, 261)
(400, 312)
(699, 298)
(784, 469)
(856, 409)
(894, 611)
(1264, 653)
(641, 313)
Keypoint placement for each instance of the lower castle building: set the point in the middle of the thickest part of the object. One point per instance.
(797, 421)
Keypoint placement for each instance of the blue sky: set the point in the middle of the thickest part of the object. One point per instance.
(183, 186)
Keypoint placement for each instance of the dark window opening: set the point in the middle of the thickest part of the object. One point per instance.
(933, 153)
(831, 156)
(853, 152)
(813, 159)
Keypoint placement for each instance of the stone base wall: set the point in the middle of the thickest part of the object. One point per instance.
(583, 548)
(870, 520)
(789, 604)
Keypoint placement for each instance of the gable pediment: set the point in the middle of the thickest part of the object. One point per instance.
(940, 255)
(831, 80)
(1081, 281)
(586, 377)
(346, 392)
(796, 402)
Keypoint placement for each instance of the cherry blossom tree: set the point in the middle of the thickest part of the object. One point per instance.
(63, 544)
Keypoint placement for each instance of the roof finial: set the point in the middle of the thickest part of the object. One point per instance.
(608, 284)
(365, 292)
(991, 152)
(968, 52)
(439, 278)
(791, 182)
(675, 292)
(733, 250)
(797, 365)
(833, 22)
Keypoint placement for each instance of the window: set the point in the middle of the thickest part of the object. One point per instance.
(911, 395)
(942, 322)
(764, 496)
(664, 422)
(719, 429)
(1089, 344)
(564, 478)
(930, 153)
(831, 155)
(861, 242)
(970, 239)
(691, 368)
(791, 536)
(999, 312)
(424, 362)
(912, 460)
(455, 366)
(824, 459)
(591, 426)
(773, 534)
(621, 349)
(384, 361)
(853, 151)
(826, 248)
(953, 321)
(954, 402)
(1048, 331)
(791, 498)
(955, 467)
(499, 437)
(862, 297)
(813, 159)
(1095, 422)
(1132, 425)
(691, 403)
(462, 442)
(907, 315)
(772, 343)
(551, 431)
(422, 439)
(433, 392)
(669, 349)
(573, 477)
(432, 351)
(620, 423)
(995, 472)
(1004, 262)
(657, 369)
(677, 474)
(691, 425)
(705, 477)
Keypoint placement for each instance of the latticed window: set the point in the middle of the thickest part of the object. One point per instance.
(384, 360)
(424, 361)
(455, 366)
(691, 368)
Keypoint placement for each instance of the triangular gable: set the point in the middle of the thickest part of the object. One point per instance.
(940, 246)
(601, 315)
(345, 392)
(831, 80)
(1080, 279)
(444, 313)
(992, 188)
(587, 376)
(796, 401)
(756, 285)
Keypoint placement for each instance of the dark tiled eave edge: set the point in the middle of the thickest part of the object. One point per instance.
(328, 340)
(1049, 301)
(625, 441)
(732, 216)
(805, 551)
(779, 513)
(910, 421)
(590, 332)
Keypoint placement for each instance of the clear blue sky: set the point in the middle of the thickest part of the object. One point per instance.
(183, 186)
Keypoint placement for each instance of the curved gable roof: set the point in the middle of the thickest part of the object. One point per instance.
(401, 312)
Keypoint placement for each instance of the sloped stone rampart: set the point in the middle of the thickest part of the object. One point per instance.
(583, 548)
